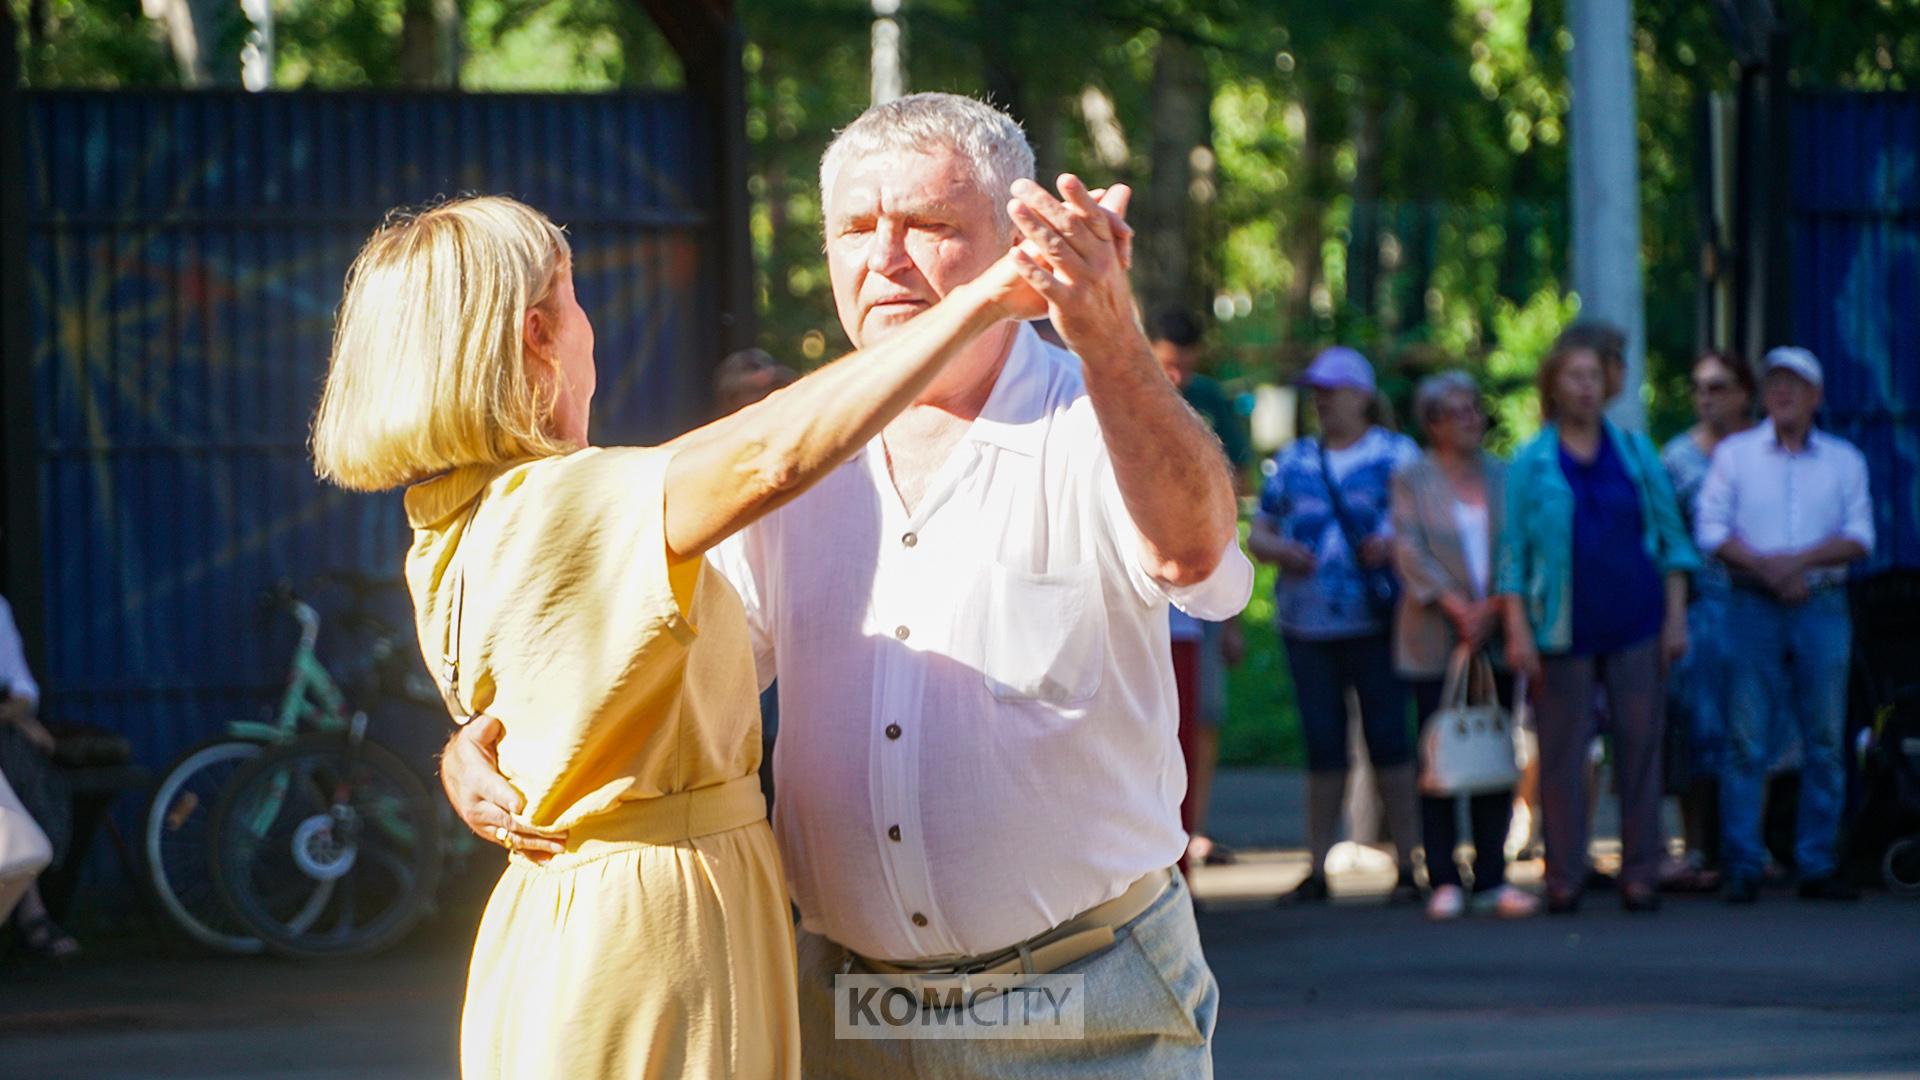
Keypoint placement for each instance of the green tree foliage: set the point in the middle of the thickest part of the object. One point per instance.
(1387, 173)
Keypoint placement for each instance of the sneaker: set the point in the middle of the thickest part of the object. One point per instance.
(1742, 890)
(1830, 887)
(1506, 902)
(1406, 890)
(1562, 903)
(1447, 902)
(1312, 890)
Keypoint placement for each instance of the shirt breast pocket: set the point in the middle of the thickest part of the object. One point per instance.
(1044, 638)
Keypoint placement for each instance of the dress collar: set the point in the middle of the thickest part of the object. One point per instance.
(431, 502)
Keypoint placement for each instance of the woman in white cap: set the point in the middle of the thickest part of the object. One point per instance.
(1326, 520)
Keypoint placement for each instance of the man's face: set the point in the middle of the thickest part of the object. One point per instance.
(1790, 399)
(903, 230)
(1178, 361)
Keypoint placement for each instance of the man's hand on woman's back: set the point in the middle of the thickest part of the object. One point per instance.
(482, 797)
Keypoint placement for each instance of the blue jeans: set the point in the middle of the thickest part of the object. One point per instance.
(1702, 683)
(1797, 656)
(1322, 671)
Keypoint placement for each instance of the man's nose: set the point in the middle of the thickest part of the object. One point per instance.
(887, 251)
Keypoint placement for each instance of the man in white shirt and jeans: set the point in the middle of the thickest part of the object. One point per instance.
(1785, 506)
(978, 764)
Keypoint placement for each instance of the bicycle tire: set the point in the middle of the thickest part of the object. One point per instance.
(297, 817)
(178, 854)
(1900, 867)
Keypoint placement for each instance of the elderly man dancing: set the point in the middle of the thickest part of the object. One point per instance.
(978, 760)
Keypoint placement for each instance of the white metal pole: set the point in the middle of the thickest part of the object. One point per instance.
(1606, 186)
(888, 73)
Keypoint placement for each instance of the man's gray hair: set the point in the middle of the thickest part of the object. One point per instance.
(928, 123)
(1435, 389)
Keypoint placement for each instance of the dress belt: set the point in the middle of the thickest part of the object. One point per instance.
(663, 820)
(1077, 938)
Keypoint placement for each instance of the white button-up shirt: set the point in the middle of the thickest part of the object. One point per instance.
(1780, 502)
(16, 679)
(977, 713)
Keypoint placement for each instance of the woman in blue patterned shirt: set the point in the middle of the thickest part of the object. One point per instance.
(1326, 519)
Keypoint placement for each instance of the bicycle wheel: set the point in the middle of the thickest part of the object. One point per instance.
(319, 817)
(179, 862)
(1900, 867)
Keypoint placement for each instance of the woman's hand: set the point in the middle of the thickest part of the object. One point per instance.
(1522, 657)
(1376, 551)
(21, 713)
(1006, 287)
(1295, 558)
(485, 801)
(1673, 639)
(1233, 644)
(1474, 621)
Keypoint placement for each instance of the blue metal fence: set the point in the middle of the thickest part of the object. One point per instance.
(187, 252)
(1856, 265)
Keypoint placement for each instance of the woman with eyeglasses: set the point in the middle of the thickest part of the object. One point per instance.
(1447, 508)
(1723, 395)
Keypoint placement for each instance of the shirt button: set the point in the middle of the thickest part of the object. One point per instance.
(893, 832)
(919, 919)
(901, 632)
(909, 540)
(893, 731)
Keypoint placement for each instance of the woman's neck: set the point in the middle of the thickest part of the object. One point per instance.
(1455, 461)
(1340, 440)
(1582, 428)
(1709, 436)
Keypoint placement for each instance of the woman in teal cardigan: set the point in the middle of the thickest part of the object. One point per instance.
(1593, 563)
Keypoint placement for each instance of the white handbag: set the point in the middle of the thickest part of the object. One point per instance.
(1468, 745)
(24, 850)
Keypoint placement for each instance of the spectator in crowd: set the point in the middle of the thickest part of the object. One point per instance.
(1325, 520)
(1786, 507)
(1723, 396)
(1202, 651)
(26, 749)
(1446, 510)
(1593, 559)
(745, 377)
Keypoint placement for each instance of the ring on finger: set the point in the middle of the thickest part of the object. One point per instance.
(502, 837)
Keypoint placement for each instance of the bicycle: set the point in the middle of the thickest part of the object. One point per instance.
(177, 835)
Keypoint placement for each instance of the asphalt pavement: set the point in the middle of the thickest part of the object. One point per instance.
(1356, 988)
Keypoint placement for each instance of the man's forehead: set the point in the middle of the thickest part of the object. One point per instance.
(905, 181)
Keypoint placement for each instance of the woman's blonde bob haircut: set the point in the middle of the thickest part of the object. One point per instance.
(429, 370)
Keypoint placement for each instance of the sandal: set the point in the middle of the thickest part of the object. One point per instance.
(44, 938)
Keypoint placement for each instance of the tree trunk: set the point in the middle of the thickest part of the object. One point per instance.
(197, 33)
(430, 43)
(1307, 231)
(1180, 180)
(1363, 230)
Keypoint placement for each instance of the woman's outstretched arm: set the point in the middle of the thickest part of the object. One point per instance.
(727, 474)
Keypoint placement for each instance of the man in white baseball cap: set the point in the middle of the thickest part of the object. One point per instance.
(1786, 507)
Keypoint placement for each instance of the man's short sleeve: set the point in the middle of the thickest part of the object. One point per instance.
(1858, 524)
(1223, 595)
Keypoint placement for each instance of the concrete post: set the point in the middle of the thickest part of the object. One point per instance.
(1606, 186)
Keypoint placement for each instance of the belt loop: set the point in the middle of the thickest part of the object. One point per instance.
(1026, 957)
(846, 965)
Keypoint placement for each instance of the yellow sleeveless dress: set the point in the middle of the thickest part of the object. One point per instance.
(660, 944)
